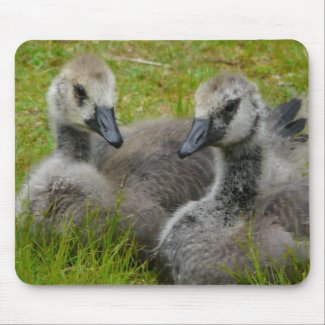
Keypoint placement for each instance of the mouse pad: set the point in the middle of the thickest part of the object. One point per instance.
(162, 162)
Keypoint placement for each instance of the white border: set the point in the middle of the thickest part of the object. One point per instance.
(164, 19)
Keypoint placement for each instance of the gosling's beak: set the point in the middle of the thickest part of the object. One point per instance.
(104, 123)
(198, 137)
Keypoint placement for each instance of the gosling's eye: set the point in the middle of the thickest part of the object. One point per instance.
(232, 105)
(80, 92)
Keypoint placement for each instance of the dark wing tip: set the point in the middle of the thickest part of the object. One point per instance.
(293, 127)
(286, 112)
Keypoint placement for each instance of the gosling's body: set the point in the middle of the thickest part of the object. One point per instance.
(197, 248)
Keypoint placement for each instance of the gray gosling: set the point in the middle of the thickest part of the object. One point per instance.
(64, 185)
(202, 237)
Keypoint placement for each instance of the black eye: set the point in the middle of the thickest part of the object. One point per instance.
(80, 92)
(232, 105)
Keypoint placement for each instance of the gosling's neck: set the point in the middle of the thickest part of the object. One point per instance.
(239, 171)
(241, 175)
(73, 143)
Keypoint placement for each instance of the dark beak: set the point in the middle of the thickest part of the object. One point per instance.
(199, 137)
(104, 123)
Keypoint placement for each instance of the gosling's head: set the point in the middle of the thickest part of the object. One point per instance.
(228, 109)
(83, 97)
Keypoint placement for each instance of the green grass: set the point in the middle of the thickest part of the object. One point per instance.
(280, 69)
(77, 255)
